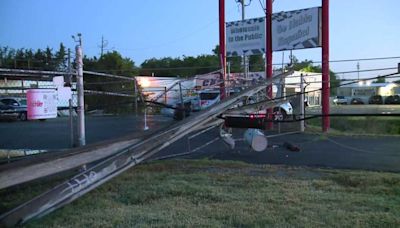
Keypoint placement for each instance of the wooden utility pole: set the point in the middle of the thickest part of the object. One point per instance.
(79, 85)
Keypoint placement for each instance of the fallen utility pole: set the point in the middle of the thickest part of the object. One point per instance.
(119, 162)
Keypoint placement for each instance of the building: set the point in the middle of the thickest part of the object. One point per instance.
(312, 86)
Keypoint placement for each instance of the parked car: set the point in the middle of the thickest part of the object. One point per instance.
(13, 108)
(340, 100)
(376, 99)
(392, 99)
(356, 101)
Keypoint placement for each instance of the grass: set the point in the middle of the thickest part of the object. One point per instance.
(362, 125)
(181, 193)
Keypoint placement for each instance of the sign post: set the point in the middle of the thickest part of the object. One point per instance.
(222, 51)
(268, 56)
(325, 66)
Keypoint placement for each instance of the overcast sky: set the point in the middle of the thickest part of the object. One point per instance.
(158, 28)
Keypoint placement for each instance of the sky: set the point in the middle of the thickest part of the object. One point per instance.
(155, 28)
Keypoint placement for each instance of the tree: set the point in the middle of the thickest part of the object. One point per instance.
(61, 58)
(257, 63)
(307, 66)
(380, 79)
(112, 63)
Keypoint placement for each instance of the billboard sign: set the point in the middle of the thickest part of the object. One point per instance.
(296, 29)
(42, 103)
(245, 37)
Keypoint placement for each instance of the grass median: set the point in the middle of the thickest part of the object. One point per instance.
(214, 193)
(362, 125)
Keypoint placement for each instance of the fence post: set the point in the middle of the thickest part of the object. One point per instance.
(71, 124)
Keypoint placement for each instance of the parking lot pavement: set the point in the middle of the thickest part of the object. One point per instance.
(55, 133)
(359, 152)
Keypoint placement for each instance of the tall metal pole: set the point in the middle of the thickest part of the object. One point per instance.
(325, 66)
(228, 75)
(222, 50)
(301, 103)
(68, 82)
(136, 97)
(81, 102)
(71, 123)
(243, 9)
(244, 57)
(182, 106)
(268, 55)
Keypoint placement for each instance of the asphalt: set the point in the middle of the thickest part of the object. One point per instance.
(380, 153)
(55, 134)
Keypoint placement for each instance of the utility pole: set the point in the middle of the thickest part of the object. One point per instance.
(182, 106)
(268, 54)
(302, 103)
(68, 82)
(79, 85)
(358, 71)
(102, 46)
(243, 7)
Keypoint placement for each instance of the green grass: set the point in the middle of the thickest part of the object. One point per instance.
(362, 125)
(181, 193)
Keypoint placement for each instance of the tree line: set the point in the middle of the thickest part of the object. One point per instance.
(113, 62)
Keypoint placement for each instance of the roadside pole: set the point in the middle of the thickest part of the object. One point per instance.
(182, 106)
(81, 102)
(301, 103)
(70, 104)
(325, 66)
(268, 55)
(136, 97)
(228, 79)
(71, 124)
(222, 51)
(145, 118)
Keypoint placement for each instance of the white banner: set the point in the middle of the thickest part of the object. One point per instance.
(296, 29)
(245, 37)
(42, 103)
